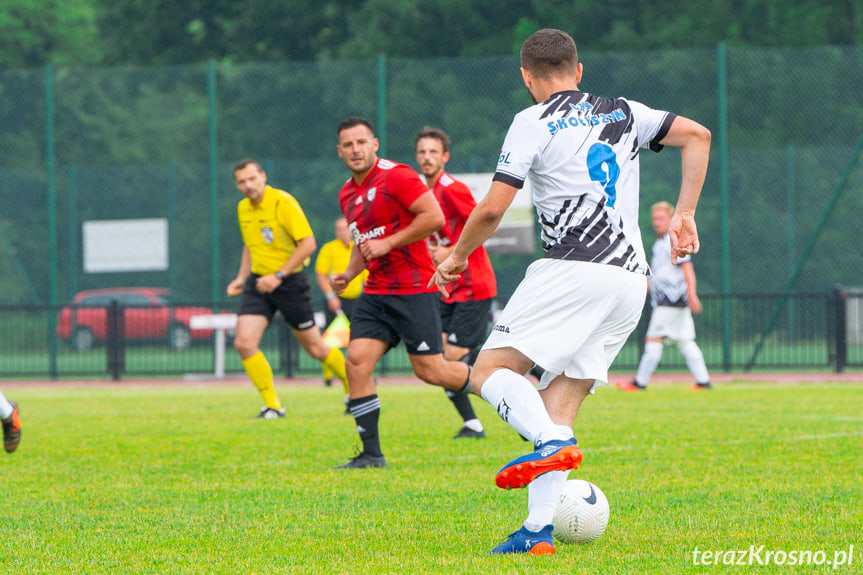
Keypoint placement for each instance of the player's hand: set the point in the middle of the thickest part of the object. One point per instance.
(684, 235)
(235, 287)
(695, 304)
(334, 304)
(372, 249)
(267, 283)
(439, 253)
(448, 271)
(435, 252)
(339, 282)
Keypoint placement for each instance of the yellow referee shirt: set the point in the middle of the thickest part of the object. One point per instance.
(333, 258)
(272, 229)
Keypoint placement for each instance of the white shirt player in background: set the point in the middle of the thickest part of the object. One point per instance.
(577, 305)
(674, 299)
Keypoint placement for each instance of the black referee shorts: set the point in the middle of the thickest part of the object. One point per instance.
(293, 298)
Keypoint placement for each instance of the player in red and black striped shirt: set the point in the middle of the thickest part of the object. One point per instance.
(390, 213)
(465, 311)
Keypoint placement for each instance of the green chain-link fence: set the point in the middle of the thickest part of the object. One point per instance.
(780, 210)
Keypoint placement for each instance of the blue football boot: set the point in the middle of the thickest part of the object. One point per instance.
(524, 541)
(554, 455)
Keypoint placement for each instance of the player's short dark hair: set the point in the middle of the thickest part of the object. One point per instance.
(436, 133)
(353, 122)
(247, 162)
(548, 52)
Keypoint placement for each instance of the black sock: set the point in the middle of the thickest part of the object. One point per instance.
(461, 400)
(366, 411)
(470, 357)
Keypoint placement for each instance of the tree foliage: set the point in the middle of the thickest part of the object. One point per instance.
(150, 32)
(34, 32)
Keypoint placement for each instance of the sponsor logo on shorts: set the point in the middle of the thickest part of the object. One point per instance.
(501, 328)
(306, 324)
(423, 347)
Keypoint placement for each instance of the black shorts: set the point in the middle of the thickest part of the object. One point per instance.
(414, 319)
(293, 298)
(466, 322)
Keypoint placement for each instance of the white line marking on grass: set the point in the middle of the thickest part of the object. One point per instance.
(730, 442)
(833, 418)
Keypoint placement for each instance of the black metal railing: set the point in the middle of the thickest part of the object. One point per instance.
(738, 332)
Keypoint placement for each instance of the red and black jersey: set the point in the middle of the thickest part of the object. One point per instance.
(477, 282)
(377, 208)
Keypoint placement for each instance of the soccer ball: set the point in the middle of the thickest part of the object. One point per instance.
(582, 513)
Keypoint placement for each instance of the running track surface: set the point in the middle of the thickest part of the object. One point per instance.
(853, 377)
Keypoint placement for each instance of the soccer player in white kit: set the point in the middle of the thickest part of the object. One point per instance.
(576, 305)
(674, 298)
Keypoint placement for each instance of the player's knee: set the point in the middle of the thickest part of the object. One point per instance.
(455, 353)
(358, 366)
(319, 351)
(244, 345)
(653, 349)
(425, 371)
(684, 345)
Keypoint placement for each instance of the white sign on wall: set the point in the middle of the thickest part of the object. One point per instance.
(125, 245)
(515, 235)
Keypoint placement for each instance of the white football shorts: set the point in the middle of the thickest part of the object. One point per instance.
(571, 317)
(674, 323)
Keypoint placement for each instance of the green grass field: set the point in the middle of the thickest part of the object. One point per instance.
(180, 479)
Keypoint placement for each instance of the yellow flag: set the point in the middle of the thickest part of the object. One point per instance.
(338, 334)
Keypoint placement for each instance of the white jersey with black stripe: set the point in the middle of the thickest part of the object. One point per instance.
(668, 285)
(581, 155)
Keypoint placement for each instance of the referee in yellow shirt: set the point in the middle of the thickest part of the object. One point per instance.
(333, 258)
(278, 242)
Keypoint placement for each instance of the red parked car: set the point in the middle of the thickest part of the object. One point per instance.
(148, 316)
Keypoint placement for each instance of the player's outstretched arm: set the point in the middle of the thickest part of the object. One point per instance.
(693, 139)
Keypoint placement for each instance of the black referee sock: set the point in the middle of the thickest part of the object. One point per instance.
(366, 411)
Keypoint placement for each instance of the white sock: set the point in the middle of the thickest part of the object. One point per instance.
(5, 407)
(694, 361)
(543, 494)
(649, 362)
(519, 404)
(473, 424)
